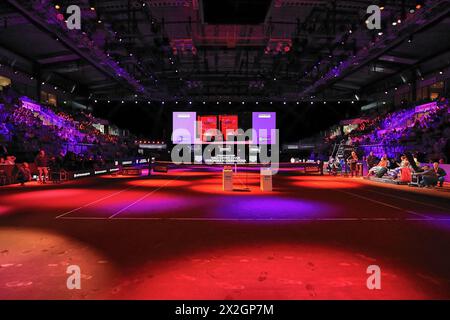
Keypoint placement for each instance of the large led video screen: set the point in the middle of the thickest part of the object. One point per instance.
(264, 125)
(184, 127)
(195, 128)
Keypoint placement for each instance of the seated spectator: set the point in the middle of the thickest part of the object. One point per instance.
(24, 174)
(440, 173)
(381, 167)
(429, 177)
(371, 160)
(10, 160)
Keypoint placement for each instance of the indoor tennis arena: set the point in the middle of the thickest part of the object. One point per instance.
(198, 150)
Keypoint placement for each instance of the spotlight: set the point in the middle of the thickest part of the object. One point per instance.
(92, 9)
(357, 97)
(123, 102)
(394, 23)
(95, 100)
(418, 6)
(57, 7)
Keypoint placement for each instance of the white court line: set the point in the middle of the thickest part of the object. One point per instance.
(386, 204)
(257, 219)
(410, 200)
(142, 198)
(94, 202)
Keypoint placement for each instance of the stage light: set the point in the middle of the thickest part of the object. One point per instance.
(353, 102)
(176, 102)
(399, 21)
(418, 6)
(162, 102)
(284, 102)
(298, 102)
(243, 102)
(339, 102)
(99, 21)
(312, 102)
(394, 23)
(190, 102)
(257, 102)
(123, 102)
(440, 72)
(109, 101)
(229, 102)
(385, 92)
(95, 101)
(148, 102)
(57, 7)
(380, 33)
(357, 97)
(92, 9)
(135, 102)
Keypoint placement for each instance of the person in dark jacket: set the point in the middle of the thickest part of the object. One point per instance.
(429, 177)
(440, 174)
(372, 161)
(24, 174)
(41, 162)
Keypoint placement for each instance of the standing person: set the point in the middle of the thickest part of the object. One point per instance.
(440, 174)
(41, 162)
(353, 161)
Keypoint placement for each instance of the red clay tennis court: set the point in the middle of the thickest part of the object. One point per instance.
(177, 235)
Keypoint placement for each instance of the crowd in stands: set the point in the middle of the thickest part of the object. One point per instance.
(427, 132)
(24, 131)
